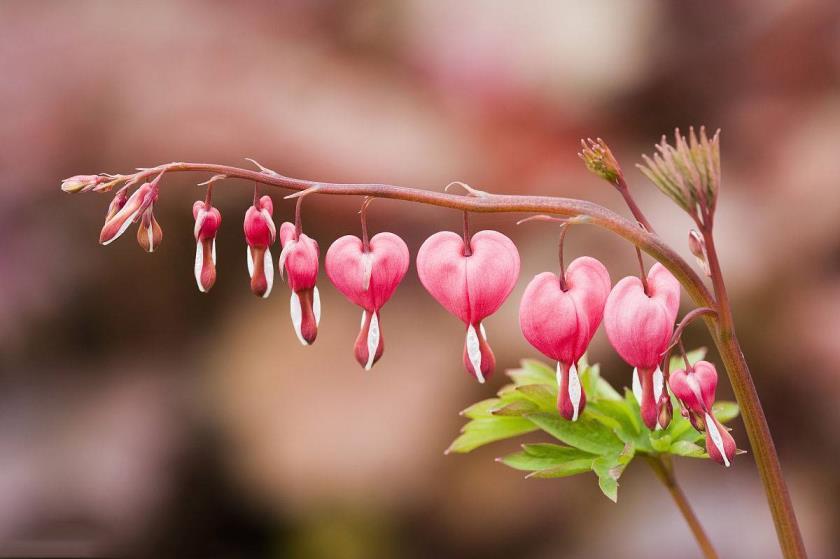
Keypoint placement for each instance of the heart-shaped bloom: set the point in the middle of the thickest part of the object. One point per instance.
(639, 325)
(299, 259)
(560, 320)
(260, 234)
(123, 211)
(368, 277)
(207, 222)
(695, 389)
(471, 285)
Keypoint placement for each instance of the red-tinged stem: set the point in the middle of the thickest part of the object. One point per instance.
(298, 222)
(721, 327)
(761, 441)
(624, 190)
(467, 235)
(678, 331)
(664, 470)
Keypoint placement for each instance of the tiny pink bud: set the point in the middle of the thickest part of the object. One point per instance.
(368, 277)
(127, 211)
(80, 183)
(207, 222)
(470, 287)
(260, 235)
(695, 388)
(299, 259)
(639, 326)
(560, 323)
(149, 233)
(697, 246)
(666, 410)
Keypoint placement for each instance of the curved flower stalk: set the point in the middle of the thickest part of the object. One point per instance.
(207, 222)
(260, 235)
(470, 279)
(639, 323)
(559, 315)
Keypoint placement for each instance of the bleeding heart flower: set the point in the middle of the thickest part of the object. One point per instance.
(695, 389)
(471, 284)
(260, 234)
(368, 276)
(559, 318)
(639, 325)
(299, 258)
(207, 222)
(123, 211)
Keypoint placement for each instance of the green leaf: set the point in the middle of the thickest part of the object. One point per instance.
(516, 408)
(481, 409)
(725, 411)
(618, 415)
(549, 460)
(609, 468)
(689, 449)
(660, 441)
(480, 432)
(541, 395)
(586, 433)
(533, 372)
(594, 386)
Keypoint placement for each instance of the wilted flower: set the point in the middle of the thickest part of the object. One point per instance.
(471, 284)
(560, 318)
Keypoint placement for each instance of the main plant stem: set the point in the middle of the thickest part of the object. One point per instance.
(721, 327)
(761, 441)
(664, 470)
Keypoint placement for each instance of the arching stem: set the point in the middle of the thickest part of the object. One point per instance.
(298, 222)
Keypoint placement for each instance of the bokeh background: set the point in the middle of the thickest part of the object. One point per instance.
(139, 417)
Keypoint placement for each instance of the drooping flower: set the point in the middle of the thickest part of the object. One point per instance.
(368, 276)
(471, 283)
(695, 388)
(299, 259)
(639, 325)
(123, 211)
(207, 222)
(260, 235)
(559, 318)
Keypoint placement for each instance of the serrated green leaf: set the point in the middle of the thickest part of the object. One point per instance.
(689, 449)
(725, 411)
(660, 441)
(481, 409)
(618, 415)
(563, 460)
(586, 433)
(516, 408)
(609, 469)
(541, 395)
(532, 372)
(480, 432)
(594, 385)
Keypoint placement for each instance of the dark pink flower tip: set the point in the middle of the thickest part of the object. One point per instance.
(123, 212)
(299, 259)
(719, 442)
(571, 399)
(470, 287)
(260, 234)
(207, 222)
(638, 324)
(368, 279)
(649, 390)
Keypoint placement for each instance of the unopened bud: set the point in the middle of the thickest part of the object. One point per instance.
(149, 234)
(697, 246)
(666, 410)
(599, 159)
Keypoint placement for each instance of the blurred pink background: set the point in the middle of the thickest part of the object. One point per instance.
(139, 417)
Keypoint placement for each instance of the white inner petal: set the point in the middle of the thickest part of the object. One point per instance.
(575, 392)
(285, 254)
(122, 228)
(297, 316)
(364, 316)
(213, 251)
(199, 264)
(151, 236)
(270, 222)
(367, 269)
(474, 352)
(250, 262)
(372, 341)
(316, 306)
(711, 427)
(268, 270)
(483, 331)
(199, 221)
(694, 385)
(637, 386)
(658, 384)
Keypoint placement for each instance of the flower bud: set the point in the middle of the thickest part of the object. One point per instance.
(299, 259)
(560, 323)
(149, 233)
(122, 212)
(695, 388)
(87, 183)
(470, 284)
(368, 277)
(599, 160)
(639, 326)
(260, 235)
(697, 246)
(207, 222)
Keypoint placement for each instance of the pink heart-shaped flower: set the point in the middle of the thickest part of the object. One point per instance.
(560, 323)
(470, 287)
(299, 259)
(368, 278)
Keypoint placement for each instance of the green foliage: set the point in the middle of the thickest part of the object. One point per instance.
(604, 440)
